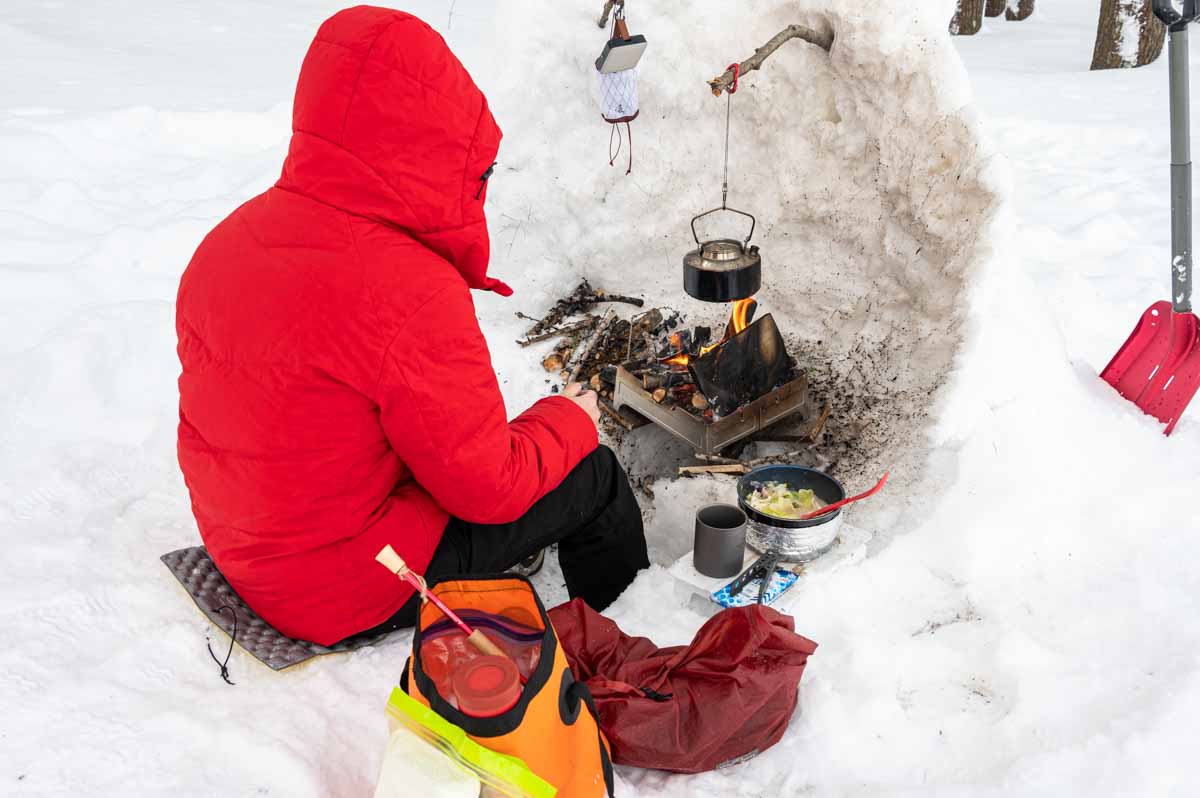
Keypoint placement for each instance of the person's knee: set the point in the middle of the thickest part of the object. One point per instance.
(607, 472)
(603, 476)
(604, 460)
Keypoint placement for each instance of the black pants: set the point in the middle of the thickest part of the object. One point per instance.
(592, 516)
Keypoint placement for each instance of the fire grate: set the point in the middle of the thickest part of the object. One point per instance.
(710, 437)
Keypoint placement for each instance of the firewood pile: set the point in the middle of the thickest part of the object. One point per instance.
(652, 345)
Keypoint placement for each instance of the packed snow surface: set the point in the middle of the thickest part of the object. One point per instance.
(963, 229)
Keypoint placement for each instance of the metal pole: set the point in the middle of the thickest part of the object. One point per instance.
(1181, 172)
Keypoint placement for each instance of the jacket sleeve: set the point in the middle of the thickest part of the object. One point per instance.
(442, 411)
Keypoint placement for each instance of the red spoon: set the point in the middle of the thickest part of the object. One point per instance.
(838, 505)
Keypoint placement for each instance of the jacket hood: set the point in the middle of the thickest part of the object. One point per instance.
(388, 125)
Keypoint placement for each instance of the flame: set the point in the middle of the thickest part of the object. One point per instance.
(739, 320)
(741, 314)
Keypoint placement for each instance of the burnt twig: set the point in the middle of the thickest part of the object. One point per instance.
(716, 468)
(819, 425)
(581, 300)
(772, 458)
(589, 344)
(716, 458)
(565, 329)
(601, 296)
(617, 416)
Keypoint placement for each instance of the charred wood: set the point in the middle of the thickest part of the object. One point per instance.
(563, 330)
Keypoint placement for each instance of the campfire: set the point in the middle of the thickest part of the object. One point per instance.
(706, 390)
(743, 312)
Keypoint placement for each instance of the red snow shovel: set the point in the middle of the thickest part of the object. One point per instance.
(1158, 367)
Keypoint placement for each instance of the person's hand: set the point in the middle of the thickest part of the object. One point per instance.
(585, 398)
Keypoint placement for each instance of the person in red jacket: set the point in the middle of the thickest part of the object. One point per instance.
(336, 392)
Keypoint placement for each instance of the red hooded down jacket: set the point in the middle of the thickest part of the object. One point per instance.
(337, 393)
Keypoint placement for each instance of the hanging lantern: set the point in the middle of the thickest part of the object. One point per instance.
(616, 69)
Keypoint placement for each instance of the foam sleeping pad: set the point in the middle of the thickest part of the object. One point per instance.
(199, 576)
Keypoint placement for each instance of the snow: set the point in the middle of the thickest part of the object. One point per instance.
(1131, 34)
(1024, 618)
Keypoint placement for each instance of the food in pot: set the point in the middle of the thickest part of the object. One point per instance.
(780, 500)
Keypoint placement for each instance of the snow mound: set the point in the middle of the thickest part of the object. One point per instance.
(864, 167)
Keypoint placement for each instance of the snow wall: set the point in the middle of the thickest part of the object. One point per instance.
(864, 166)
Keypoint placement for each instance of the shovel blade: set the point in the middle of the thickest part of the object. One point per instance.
(1158, 367)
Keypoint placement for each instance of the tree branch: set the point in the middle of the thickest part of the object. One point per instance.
(722, 83)
(608, 7)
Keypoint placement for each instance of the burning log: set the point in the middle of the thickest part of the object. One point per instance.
(665, 379)
(642, 365)
(683, 394)
(700, 339)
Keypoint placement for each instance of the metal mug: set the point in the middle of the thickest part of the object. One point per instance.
(720, 540)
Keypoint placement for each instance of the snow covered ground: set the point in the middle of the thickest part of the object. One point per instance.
(1027, 622)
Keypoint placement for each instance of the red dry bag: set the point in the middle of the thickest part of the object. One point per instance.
(688, 709)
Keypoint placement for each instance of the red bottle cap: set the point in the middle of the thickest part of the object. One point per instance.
(486, 686)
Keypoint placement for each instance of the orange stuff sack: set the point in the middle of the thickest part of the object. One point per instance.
(552, 727)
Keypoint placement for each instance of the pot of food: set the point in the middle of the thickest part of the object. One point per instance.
(775, 497)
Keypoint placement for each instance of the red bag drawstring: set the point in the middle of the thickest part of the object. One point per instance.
(612, 156)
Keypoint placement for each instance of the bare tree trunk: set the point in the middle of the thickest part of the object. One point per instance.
(995, 8)
(1019, 10)
(724, 81)
(968, 18)
(1128, 35)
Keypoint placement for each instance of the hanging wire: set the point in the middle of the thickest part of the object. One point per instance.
(737, 68)
(725, 176)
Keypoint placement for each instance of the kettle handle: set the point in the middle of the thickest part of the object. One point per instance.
(753, 222)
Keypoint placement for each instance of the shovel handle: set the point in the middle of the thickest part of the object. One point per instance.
(1181, 163)
(1176, 14)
